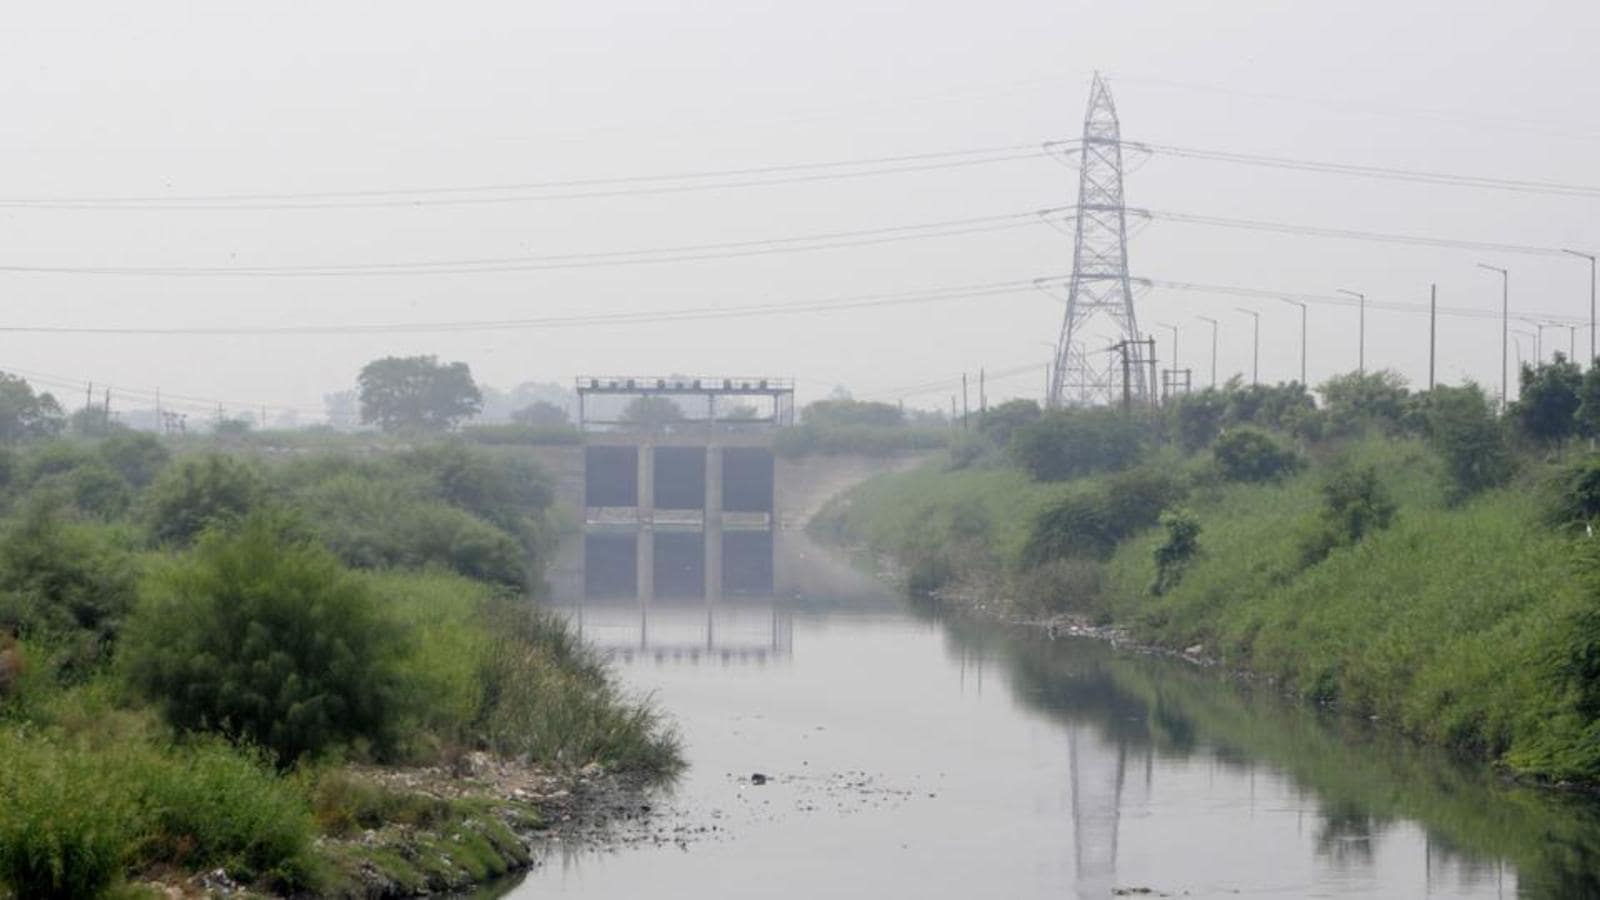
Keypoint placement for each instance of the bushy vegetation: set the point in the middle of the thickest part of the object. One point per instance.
(261, 637)
(1249, 454)
(1409, 556)
(195, 641)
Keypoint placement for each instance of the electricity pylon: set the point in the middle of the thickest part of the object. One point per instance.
(1100, 296)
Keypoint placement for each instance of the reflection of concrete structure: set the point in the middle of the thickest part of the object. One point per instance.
(638, 594)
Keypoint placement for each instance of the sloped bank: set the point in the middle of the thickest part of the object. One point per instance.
(1468, 625)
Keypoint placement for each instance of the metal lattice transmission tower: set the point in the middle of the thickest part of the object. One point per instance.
(1100, 296)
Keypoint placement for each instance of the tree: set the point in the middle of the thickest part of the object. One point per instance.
(541, 414)
(1355, 504)
(1356, 398)
(1547, 405)
(1069, 443)
(25, 415)
(136, 456)
(417, 393)
(1198, 418)
(1001, 421)
(201, 492)
(652, 412)
(1248, 454)
(267, 640)
(1463, 430)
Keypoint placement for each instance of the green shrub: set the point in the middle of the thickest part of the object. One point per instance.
(1090, 522)
(373, 521)
(1462, 428)
(207, 806)
(135, 455)
(1355, 504)
(64, 581)
(201, 492)
(548, 697)
(1062, 585)
(266, 639)
(67, 825)
(1067, 444)
(78, 815)
(1181, 545)
(1574, 496)
(1247, 454)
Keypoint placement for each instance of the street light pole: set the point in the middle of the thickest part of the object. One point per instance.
(1174, 330)
(1302, 336)
(1255, 350)
(1214, 325)
(1505, 325)
(1591, 258)
(1361, 331)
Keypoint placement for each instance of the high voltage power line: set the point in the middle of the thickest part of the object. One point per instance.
(581, 188)
(1379, 172)
(828, 240)
(934, 295)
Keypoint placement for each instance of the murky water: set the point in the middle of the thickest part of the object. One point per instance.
(913, 757)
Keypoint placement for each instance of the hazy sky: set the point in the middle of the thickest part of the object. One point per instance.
(159, 99)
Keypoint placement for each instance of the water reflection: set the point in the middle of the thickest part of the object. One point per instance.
(1060, 766)
(1481, 835)
(679, 595)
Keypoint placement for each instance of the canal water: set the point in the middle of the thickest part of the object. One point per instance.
(908, 755)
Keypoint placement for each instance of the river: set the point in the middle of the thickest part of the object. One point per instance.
(909, 755)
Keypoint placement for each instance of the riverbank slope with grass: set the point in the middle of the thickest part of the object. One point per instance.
(1405, 558)
(317, 673)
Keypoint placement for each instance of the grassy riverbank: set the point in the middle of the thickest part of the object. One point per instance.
(310, 673)
(1358, 570)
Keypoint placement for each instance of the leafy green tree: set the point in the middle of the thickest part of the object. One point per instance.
(1001, 421)
(1067, 444)
(266, 640)
(1267, 405)
(1355, 400)
(135, 455)
(64, 580)
(1248, 454)
(200, 492)
(25, 415)
(417, 393)
(1197, 418)
(541, 414)
(1549, 399)
(1355, 504)
(1462, 428)
(652, 412)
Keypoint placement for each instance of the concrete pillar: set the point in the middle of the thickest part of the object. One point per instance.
(646, 559)
(646, 501)
(713, 523)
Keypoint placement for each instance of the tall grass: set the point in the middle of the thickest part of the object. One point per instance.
(78, 815)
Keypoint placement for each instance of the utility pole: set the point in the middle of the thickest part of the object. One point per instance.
(963, 401)
(1572, 343)
(1255, 353)
(1302, 336)
(1213, 347)
(983, 396)
(1361, 330)
(1591, 258)
(1433, 329)
(1505, 327)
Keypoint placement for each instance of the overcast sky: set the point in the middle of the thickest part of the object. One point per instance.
(168, 100)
